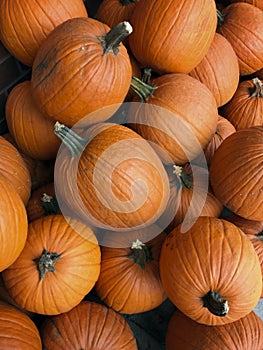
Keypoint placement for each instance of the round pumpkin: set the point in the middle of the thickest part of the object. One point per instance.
(211, 272)
(172, 37)
(57, 267)
(17, 330)
(74, 75)
(236, 173)
(248, 226)
(25, 25)
(88, 326)
(257, 3)
(244, 334)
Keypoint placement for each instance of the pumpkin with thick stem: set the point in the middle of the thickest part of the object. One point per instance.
(90, 69)
(58, 266)
(211, 272)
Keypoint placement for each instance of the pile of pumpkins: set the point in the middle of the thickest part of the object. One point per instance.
(132, 167)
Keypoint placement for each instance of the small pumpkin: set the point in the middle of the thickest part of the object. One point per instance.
(88, 326)
(58, 266)
(211, 272)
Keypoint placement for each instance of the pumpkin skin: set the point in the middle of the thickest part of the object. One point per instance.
(250, 227)
(13, 167)
(95, 79)
(219, 70)
(236, 173)
(76, 269)
(159, 39)
(88, 326)
(257, 3)
(213, 256)
(115, 182)
(245, 109)
(138, 263)
(245, 36)
(169, 112)
(17, 330)
(13, 224)
(25, 26)
(244, 334)
(38, 141)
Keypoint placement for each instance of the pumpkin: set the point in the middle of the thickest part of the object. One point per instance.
(245, 109)
(172, 37)
(211, 272)
(257, 3)
(223, 129)
(219, 70)
(166, 114)
(13, 224)
(74, 75)
(236, 173)
(129, 281)
(243, 334)
(88, 326)
(17, 330)
(110, 177)
(25, 25)
(245, 36)
(32, 132)
(13, 167)
(58, 266)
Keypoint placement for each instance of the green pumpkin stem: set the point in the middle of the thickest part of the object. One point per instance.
(145, 91)
(141, 253)
(220, 17)
(49, 204)
(215, 304)
(185, 179)
(146, 76)
(258, 91)
(46, 263)
(111, 41)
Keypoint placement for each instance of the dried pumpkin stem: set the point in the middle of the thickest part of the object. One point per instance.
(111, 41)
(46, 263)
(49, 204)
(141, 253)
(145, 91)
(215, 304)
(258, 91)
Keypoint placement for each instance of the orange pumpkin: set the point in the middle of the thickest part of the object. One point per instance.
(257, 3)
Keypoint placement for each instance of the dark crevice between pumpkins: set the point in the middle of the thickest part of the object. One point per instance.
(111, 41)
(220, 17)
(49, 204)
(215, 303)
(140, 253)
(179, 177)
(143, 90)
(46, 263)
(126, 2)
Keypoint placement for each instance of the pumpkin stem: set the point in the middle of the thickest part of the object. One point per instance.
(49, 204)
(147, 74)
(215, 304)
(185, 178)
(46, 263)
(73, 141)
(220, 17)
(141, 253)
(126, 2)
(258, 91)
(111, 41)
(145, 91)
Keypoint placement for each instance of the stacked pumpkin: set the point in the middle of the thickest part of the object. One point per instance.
(146, 125)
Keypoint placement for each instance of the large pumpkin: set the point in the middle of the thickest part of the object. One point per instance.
(236, 173)
(211, 272)
(25, 25)
(57, 267)
(172, 37)
(81, 67)
(88, 326)
(257, 3)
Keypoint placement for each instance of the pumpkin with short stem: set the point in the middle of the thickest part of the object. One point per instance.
(257, 3)
(17, 330)
(219, 70)
(25, 25)
(13, 167)
(245, 36)
(129, 280)
(74, 75)
(186, 334)
(58, 266)
(167, 115)
(13, 224)
(89, 325)
(245, 108)
(172, 37)
(236, 173)
(211, 272)
(32, 132)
